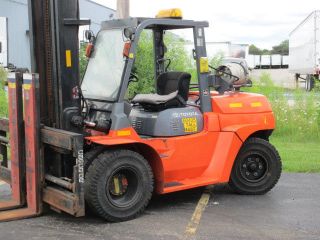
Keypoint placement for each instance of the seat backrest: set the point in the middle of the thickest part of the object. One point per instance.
(169, 82)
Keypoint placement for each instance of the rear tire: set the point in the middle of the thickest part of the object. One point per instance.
(119, 185)
(257, 168)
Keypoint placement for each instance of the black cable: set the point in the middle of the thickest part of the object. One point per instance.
(236, 78)
(85, 103)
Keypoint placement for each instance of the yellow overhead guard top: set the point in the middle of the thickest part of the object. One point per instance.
(170, 13)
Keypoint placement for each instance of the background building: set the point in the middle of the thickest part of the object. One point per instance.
(14, 28)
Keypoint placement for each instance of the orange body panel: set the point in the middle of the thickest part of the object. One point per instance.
(206, 157)
(240, 102)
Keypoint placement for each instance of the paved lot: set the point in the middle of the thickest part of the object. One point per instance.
(289, 211)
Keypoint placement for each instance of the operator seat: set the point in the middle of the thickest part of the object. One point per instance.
(172, 92)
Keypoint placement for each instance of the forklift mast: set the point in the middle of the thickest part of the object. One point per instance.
(55, 56)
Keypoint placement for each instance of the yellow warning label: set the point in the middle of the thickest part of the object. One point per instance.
(68, 58)
(204, 65)
(11, 85)
(131, 55)
(26, 86)
(190, 124)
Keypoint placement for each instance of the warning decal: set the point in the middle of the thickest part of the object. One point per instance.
(190, 124)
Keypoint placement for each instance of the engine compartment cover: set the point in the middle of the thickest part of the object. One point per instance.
(167, 123)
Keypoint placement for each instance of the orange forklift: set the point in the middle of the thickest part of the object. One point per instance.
(85, 143)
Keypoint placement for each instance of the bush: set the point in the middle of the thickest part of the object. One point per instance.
(143, 66)
(217, 60)
(3, 95)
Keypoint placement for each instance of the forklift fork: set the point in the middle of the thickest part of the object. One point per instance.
(16, 144)
(31, 185)
(25, 170)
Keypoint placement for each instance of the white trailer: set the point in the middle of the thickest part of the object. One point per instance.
(285, 61)
(304, 50)
(253, 61)
(265, 61)
(250, 61)
(257, 60)
(275, 60)
(3, 42)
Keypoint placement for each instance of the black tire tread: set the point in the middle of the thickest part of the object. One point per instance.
(254, 140)
(91, 155)
(92, 179)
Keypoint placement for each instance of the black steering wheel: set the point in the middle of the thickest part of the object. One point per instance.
(133, 77)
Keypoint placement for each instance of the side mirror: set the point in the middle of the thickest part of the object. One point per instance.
(89, 35)
(129, 33)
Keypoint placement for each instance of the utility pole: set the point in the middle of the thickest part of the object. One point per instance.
(123, 9)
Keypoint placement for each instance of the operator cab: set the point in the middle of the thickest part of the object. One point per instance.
(166, 111)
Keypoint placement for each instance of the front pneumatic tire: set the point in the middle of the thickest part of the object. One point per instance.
(119, 185)
(257, 168)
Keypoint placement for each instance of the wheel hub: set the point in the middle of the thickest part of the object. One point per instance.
(119, 185)
(253, 168)
(122, 187)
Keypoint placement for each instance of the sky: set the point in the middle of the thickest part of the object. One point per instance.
(263, 23)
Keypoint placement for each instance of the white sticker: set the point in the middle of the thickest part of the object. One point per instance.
(80, 164)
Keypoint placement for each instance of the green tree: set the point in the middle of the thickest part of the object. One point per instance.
(144, 61)
(282, 48)
(254, 50)
(143, 66)
(265, 52)
(176, 51)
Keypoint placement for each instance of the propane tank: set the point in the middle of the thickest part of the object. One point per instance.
(233, 73)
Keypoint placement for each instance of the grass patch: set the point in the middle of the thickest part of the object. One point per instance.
(297, 133)
(298, 156)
